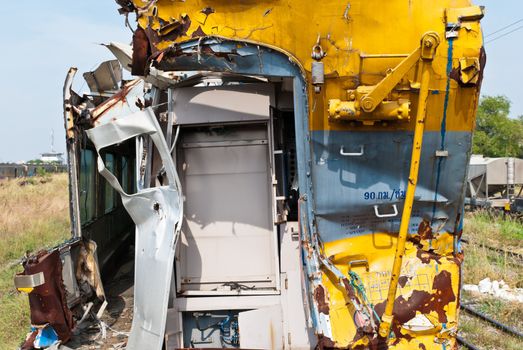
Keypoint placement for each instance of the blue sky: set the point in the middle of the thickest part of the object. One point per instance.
(41, 40)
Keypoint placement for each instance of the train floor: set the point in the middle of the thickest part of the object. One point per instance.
(113, 330)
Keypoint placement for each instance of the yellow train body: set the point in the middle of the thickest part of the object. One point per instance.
(359, 44)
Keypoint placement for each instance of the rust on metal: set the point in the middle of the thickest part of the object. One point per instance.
(427, 255)
(403, 280)
(119, 97)
(208, 10)
(425, 302)
(198, 32)
(47, 302)
(325, 343)
(425, 230)
(141, 52)
(321, 300)
(422, 302)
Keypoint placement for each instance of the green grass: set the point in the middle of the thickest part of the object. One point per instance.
(512, 230)
(32, 216)
(494, 229)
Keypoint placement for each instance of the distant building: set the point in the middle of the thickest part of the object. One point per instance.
(52, 157)
(492, 181)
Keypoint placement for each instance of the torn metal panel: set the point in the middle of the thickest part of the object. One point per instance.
(47, 296)
(123, 52)
(72, 169)
(124, 102)
(105, 78)
(156, 212)
(87, 269)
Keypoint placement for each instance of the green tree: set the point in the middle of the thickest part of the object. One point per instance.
(497, 135)
(35, 161)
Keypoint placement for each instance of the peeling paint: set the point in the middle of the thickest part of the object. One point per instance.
(350, 202)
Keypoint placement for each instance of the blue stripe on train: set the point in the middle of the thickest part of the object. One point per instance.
(348, 187)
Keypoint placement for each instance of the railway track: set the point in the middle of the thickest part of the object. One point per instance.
(502, 327)
(517, 259)
(516, 256)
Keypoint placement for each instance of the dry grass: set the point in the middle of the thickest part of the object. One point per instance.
(481, 263)
(484, 336)
(33, 215)
(483, 228)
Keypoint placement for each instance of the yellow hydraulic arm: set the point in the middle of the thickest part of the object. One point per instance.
(368, 104)
(429, 43)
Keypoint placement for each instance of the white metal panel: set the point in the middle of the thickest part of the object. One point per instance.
(476, 170)
(228, 233)
(157, 214)
(218, 104)
(497, 171)
(519, 171)
(261, 329)
(173, 330)
(297, 330)
(226, 303)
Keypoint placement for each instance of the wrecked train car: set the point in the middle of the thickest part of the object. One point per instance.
(287, 174)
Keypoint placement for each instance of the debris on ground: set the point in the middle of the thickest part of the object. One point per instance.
(499, 289)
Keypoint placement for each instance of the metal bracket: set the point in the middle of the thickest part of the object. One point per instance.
(352, 154)
(376, 211)
(364, 262)
(442, 153)
(26, 283)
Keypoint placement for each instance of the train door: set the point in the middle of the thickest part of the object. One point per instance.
(225, 161)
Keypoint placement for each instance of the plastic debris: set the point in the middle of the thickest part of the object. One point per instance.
(45, 337)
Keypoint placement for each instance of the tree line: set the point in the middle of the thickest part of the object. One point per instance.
(497, 134)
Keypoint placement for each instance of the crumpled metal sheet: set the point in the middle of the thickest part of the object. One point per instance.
(87, 268)
(48, 301)
(157, 214)
(125, 102)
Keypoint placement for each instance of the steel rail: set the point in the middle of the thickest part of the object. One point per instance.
(463, 341)
(514, 255)
(499, 325)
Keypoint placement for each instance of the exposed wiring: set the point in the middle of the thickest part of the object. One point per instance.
(238, 286)
(357, 284)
